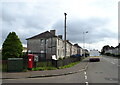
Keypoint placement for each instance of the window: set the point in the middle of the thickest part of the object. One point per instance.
(58, 41)
(42, 40)
(58, 52)
(46, 40)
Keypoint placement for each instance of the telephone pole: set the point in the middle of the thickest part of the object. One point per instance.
(84, 43)
(65, 34)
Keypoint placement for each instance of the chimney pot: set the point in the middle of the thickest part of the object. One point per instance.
(60, 36)
(52, 32)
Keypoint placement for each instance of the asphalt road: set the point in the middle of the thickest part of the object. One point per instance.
(105, 71)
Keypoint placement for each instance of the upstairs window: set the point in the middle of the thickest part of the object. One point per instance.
(42, 40)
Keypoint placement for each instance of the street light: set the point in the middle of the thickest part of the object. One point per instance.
(84, 42)
(65, 34)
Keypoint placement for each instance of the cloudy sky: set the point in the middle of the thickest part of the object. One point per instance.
(28, 18)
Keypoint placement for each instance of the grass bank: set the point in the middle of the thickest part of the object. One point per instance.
(54, 68)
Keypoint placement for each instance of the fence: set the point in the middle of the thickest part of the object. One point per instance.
(44, 63)
(55, 63)
(4, 65)
(66, 61)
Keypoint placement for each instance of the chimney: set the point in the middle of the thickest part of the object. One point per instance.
(52, 32)
(67, 40)
(60, 36)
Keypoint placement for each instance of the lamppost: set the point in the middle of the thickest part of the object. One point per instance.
(65, 34)
(84, 42)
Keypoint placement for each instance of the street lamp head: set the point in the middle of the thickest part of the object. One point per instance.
(65, 13)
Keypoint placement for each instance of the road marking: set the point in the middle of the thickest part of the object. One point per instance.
(85, 77)
(86, 83)
(112, 62)
(84, 72)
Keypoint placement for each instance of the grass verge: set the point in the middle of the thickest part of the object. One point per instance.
(43, 68)
(54, 68)
(69, 65)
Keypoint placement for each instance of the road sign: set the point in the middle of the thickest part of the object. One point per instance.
(36, 58)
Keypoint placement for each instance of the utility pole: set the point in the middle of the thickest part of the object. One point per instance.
(84, 43)
(65, 34)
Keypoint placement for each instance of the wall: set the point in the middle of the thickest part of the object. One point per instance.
(60, 48)
(68, 49)
(33, 45)
(43, 47)
(74, 50)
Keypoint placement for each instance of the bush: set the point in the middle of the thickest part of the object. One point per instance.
(12, 46)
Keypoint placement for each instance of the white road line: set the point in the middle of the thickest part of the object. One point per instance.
(85, 77)
(86, 83)
(112, 62)
(85, 73)
(115, 61)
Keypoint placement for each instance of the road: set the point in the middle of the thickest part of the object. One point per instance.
(105, 71)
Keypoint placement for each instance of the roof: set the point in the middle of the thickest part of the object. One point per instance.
(77, 45)
(69, 42)
(46, 34)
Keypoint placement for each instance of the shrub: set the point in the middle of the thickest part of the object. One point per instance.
(12, 46)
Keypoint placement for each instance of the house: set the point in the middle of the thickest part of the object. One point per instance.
(113, 50)
(68, 48)
(47, 44)
(60, 47)
(74, 50)
(24, 49)
(79, 49)
(43, 45)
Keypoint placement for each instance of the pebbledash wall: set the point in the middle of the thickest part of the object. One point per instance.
(45, 48)
(47, 44)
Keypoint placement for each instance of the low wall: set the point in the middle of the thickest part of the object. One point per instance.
(58, 63)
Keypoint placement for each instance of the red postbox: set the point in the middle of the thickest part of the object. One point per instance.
(30, 61)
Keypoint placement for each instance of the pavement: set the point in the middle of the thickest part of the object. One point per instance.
(47, 73)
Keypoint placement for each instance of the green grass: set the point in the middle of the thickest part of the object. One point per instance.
(69, 65)
(43, 68)
(54, 68)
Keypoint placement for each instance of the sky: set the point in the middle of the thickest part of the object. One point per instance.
(31, 17)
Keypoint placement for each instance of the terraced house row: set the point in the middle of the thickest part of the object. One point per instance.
(113, 50)
(47, 44)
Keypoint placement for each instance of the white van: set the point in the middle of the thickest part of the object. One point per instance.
(94, 55)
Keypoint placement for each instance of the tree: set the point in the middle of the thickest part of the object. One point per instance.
(106, 47)
(12, 46)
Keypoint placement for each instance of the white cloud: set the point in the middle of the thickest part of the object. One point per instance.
(30, 17)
